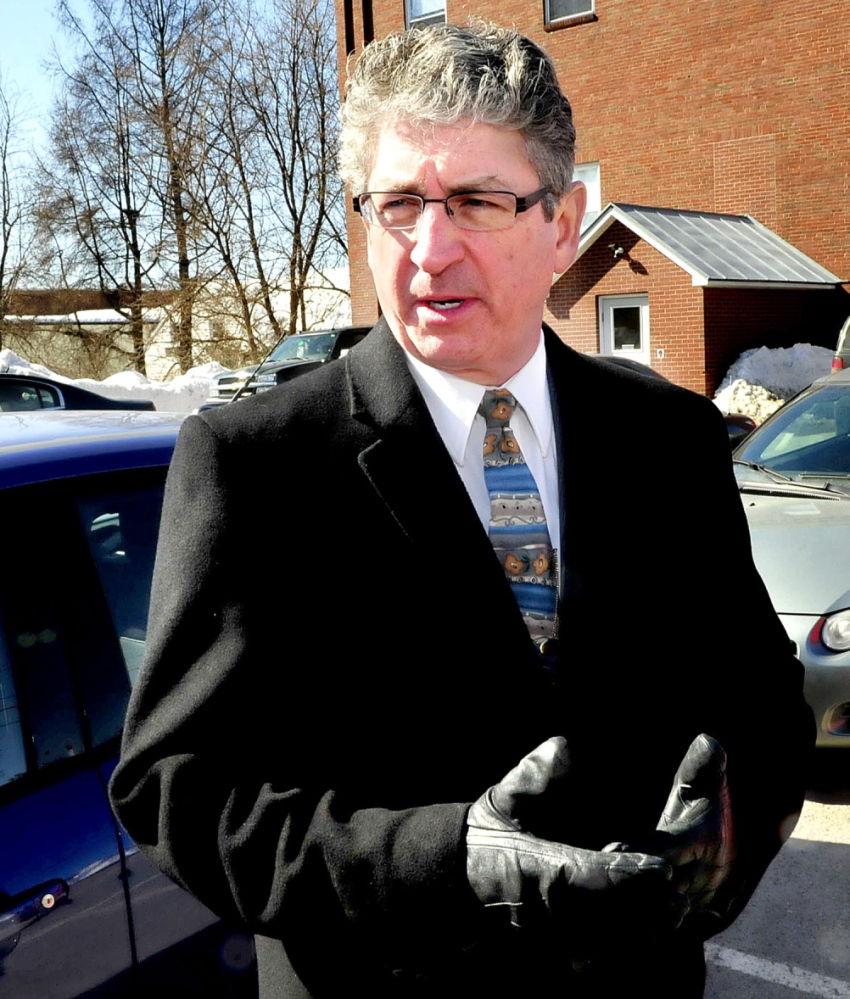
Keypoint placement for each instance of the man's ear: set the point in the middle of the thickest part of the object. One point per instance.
(568, 215)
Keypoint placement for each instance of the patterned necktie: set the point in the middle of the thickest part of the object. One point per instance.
(518, 522)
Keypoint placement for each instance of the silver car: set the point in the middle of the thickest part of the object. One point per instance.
(794, 477)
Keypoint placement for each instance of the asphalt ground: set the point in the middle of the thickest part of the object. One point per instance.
(793, 939)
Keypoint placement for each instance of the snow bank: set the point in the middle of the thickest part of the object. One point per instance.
(13, 364)
(181, 395)
(762, 379)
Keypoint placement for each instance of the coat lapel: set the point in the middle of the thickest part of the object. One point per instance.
(411, 471)
(575, 402)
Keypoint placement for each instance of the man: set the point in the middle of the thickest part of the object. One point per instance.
(311, 756)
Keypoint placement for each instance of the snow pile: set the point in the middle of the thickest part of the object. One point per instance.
(751, 400)
(763, 378)
(181, 395)
(13, 364)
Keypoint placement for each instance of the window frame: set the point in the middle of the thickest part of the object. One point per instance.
(567, 20)
(435, 17)
(606, 304)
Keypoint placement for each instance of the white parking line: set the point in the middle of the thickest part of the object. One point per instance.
(781, 974)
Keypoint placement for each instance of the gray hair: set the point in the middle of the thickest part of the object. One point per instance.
(446, 74)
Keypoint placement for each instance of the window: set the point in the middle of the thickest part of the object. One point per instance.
(121, 527)
(588, 174)
(624, 326)
(12, 757)
(418, 13)
(567, 10)
(21, 395)
(73, 614)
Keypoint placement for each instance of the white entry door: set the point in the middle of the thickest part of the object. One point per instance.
(624, 326)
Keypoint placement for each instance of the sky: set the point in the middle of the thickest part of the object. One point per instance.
(28, 32)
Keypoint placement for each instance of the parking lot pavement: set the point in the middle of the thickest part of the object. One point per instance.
(793, 939)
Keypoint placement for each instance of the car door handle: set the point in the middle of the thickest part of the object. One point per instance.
(16, 911)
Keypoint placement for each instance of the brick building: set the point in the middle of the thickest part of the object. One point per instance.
(733, 108)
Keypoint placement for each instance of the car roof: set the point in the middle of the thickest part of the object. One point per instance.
(835, 379)
(55, 444)
(331, 329)
(29, 376)
(75, 395)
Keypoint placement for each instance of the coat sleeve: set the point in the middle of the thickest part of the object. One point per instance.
(225, 787)
(752, 688)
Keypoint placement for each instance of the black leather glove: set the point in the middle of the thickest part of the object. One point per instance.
(593, 896)
(696, 835)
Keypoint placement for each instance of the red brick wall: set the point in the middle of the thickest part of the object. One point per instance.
(736, 106)
(675, 306)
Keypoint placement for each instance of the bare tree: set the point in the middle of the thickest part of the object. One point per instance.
(291, 89)
(194, 149)
(122, 140)
(96, 190)
(167, 41)
(14, 199)
(272, 203)
(229, 191)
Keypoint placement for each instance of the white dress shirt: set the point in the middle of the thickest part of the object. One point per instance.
(453, 404)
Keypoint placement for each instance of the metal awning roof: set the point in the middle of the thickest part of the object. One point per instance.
(732, 251)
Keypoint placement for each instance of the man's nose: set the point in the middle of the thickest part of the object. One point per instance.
(438, 242)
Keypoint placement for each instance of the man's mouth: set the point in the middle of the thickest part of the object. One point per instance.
(442, 305)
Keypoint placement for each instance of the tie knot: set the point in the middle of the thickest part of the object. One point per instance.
(497, 407)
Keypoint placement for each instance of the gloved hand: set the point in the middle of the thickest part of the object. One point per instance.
(696, 833)
(593, 895)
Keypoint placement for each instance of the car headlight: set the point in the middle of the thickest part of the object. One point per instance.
(265, 380)
(833, 631)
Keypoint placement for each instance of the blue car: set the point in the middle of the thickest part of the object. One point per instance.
(82, 911)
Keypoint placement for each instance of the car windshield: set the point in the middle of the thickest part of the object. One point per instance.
(808, 441)
(316, 347)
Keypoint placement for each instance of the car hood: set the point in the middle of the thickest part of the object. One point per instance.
(801, 547)
(240, 373)
(293, 362)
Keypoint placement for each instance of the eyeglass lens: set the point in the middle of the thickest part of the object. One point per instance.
(477, 210)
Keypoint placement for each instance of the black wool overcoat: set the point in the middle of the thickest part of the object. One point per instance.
(336, 668)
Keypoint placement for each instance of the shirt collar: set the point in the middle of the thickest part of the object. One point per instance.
(453, 402)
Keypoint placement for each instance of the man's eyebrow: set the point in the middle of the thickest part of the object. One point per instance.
(488, 183)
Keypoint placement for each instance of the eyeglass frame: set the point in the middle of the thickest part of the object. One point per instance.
(522, 205)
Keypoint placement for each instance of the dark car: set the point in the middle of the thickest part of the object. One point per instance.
(27, 393)
(82, 912)
(293, 356)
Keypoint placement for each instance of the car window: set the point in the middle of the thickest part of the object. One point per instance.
(811, 434)
(315, 347)
(40, 622)
(121, 527)
(12, 757)
(19, 396)
(73, 609)
(347, 340)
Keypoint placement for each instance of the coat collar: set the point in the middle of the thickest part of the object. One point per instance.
(382, 391)
(405, 459)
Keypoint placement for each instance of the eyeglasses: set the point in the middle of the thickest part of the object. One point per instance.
(480, 211)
